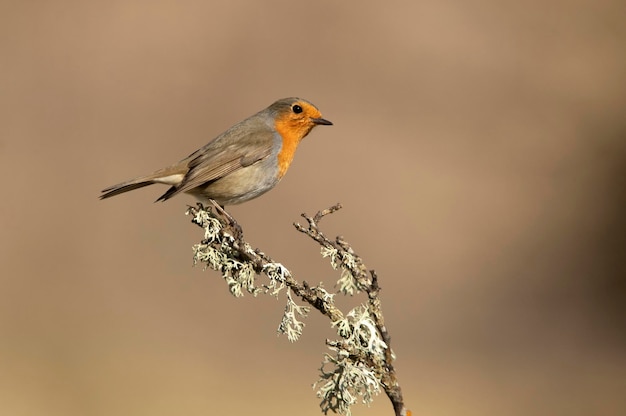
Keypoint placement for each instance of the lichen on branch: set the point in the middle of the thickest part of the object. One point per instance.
(360, 362)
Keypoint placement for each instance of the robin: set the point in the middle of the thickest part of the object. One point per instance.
(242, 163)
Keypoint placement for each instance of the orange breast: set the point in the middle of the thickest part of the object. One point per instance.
(292, 132)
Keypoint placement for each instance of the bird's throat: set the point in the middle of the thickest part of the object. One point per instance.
(291, 133)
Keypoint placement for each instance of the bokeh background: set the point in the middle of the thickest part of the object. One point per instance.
(479, 149)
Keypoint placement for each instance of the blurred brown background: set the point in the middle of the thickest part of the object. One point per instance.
(479, 150)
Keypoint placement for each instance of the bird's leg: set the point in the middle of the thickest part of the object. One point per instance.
(237, 230)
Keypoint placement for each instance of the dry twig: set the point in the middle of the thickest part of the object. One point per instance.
(361, 360)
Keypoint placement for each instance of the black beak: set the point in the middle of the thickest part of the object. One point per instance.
(321, 121)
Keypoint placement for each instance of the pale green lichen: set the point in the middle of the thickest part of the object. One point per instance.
(211, 225)
(206, 254)
(332, 253)
(347, 380)
(239, 276)
(359, 331)
(276, 273)
(290, 325)
(346, 283)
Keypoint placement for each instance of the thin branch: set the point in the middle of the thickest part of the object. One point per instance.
(365, 349)
(371, 287)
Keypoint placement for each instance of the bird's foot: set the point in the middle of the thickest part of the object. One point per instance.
(231, 222)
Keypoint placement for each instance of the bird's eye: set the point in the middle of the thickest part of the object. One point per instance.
(296, 109)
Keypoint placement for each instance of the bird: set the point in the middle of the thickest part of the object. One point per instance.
(242, 163)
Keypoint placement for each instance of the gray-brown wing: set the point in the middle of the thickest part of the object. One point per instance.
(209, 164)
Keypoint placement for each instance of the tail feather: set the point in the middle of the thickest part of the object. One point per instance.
(172, 175)
(167, 195)
(120, 188)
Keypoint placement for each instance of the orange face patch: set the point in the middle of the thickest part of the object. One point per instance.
(293, 127)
